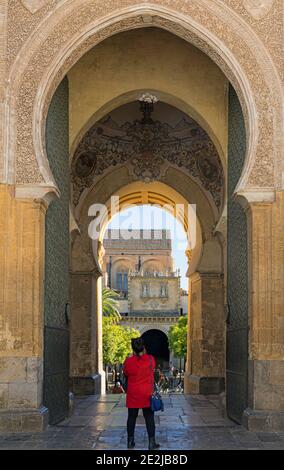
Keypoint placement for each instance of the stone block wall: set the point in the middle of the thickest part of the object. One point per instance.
(21, 312)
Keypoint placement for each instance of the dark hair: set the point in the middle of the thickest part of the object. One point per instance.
(137, 345)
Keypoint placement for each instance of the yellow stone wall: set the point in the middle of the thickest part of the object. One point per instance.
(21, 302)
(207, 326)
(266, 283)
(154, 262)
(21, 275)
(137, 303)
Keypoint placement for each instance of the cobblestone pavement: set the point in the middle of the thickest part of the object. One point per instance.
(191, 422)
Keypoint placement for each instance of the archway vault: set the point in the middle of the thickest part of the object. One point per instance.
(174, 192)
(76, 27)
(170, 139)
(163, 196)
(165, 97)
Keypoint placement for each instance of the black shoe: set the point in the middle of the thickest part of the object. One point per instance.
(130, 443)
(153, 444)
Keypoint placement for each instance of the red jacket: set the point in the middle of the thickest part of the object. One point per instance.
(140, 380)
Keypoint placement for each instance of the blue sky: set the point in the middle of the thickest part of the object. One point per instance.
(155, 218)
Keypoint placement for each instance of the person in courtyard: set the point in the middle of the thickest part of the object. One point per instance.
(171, 375)
(164, 384)
(139, 370)
(157, 375)
(117, 388)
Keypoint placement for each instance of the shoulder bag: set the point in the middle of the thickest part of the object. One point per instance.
(156, 402)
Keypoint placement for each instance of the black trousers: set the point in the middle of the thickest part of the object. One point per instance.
(149, 420)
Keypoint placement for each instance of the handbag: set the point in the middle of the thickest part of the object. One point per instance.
(156, 402)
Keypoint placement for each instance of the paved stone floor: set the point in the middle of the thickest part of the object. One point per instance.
(191, 422)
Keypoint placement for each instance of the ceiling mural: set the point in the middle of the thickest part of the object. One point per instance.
(148, 147)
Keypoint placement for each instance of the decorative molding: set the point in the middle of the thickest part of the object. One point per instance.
(245, 198)
(34, 5)
(144, 324)
(42, 192)
(77, 26)
(147, 149)
(258, 8)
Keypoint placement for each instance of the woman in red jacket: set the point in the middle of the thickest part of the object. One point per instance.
(139, 370)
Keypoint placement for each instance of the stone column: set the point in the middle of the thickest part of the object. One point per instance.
(98, 334)
(22, 231)
(266, 340)
(86, 368)
(205, 363)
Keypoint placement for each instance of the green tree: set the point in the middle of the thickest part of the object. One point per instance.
(116, 339)
(110, 304)
(110, 340)
(124, 347)
(178, 338)
(116, 342)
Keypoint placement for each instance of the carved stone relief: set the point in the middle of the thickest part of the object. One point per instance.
(34, 5)
(147, 149)
(258, 8)
(248, 56)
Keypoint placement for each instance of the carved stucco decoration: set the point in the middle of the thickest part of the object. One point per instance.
(258, 8)
(38, 70)
(269, 28)
(147, 149)
(34, 5)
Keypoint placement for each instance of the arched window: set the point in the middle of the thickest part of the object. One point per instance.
(122, 281)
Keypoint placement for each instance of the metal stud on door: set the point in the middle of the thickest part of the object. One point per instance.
(56, 331)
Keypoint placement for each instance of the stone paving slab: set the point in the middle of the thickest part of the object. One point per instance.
(188, 423)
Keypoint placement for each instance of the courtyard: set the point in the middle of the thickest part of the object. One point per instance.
(188, 423)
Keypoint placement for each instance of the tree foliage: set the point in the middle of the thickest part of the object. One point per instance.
(110, 304)
(116, 342)
(178, 337)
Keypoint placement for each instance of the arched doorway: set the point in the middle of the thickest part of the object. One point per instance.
(175, 151)
(169, 175)
(171, 183)
(157, 344)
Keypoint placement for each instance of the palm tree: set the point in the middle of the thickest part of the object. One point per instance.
(110, 311)
(110, 304)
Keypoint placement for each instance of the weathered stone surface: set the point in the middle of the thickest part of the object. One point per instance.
(266, 282)
(259, 370)
(13, 369)
(34, 5)
(205, 385)
(99, 423)
(86, 385)
(21, 281)
(24, 395)
(35, 422)
(266, 385)
(265, 420)
(34, 369)
(82, 355)
(23, 420)
(4, 391)
(276, 372)
(206, 351)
